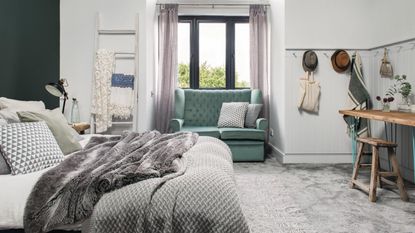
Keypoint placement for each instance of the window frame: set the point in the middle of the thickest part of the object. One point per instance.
(230, 22)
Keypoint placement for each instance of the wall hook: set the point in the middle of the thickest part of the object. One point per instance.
(399, 48)
(413, 45)
(377, 53)
(325, 54)
(295, 55)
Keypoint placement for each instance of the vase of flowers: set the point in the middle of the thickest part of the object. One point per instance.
(385, 102)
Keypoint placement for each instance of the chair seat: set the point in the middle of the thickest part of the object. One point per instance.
(242, 134)
(211, 131)
(377, 142)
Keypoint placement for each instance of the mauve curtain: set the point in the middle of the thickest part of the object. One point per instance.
(167, 71)
(258, 36)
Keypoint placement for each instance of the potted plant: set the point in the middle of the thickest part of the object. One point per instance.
(401, 86)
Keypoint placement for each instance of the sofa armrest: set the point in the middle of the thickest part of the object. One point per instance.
(176, 124)
(262, 123)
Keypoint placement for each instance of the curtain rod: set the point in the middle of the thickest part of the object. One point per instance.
(212, 4)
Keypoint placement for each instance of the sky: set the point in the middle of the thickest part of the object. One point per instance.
(212, 45)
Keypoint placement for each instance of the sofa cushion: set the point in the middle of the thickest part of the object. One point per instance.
(211, 131)
(244, 134)
(232, 115)
(252, 114)
(202, 107)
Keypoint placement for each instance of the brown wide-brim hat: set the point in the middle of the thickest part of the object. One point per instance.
(310, 61)
(340, 61)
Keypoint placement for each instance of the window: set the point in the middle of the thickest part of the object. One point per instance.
(213, 52)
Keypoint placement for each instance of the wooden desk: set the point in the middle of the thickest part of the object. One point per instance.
(400, 118)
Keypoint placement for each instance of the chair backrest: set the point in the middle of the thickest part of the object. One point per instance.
(202, 107)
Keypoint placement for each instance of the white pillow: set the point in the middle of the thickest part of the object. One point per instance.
(8, 115)
(21, 105)
(232, 115)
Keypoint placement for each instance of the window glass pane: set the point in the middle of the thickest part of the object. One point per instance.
(183, 52)
(212, 55)
(242, 55)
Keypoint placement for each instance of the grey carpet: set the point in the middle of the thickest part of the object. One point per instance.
(317, 198)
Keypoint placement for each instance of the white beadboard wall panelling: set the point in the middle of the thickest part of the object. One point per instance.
(402, 58)
(324, 132)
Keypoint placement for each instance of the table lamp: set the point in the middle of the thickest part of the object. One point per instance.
(58, 90)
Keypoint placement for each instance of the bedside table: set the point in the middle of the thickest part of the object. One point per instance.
(80, 127)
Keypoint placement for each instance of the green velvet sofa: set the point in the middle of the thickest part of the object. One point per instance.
(199, 110)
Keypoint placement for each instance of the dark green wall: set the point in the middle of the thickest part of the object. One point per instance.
(29, 49)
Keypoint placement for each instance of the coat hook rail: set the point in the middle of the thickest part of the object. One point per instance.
(399, 48)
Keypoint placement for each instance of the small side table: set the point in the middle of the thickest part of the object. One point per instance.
(80, 127)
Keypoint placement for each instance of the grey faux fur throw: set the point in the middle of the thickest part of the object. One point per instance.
(67, 193)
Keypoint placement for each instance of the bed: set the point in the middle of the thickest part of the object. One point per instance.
(203, 199)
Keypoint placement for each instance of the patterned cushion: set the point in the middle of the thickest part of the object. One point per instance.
(232, 115)
(29, 147)
(202, 107)
(252, 114)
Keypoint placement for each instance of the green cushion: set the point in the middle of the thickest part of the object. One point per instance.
(57, 123)
(244, 133)
(202, 107)
(211, 131)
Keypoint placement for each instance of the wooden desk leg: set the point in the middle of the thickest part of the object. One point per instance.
(413, 149)
(354, 142)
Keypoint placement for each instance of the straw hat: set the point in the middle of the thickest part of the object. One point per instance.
(340, 61)
(310, 61)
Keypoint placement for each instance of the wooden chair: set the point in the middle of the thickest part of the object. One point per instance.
(376, 176)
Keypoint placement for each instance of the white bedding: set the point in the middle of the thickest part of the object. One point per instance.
(14, 191)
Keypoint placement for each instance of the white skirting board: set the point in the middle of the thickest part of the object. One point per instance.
(329, 158)
(287, 158)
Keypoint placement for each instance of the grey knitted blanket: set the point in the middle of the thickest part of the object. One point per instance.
(203, 199)
(67, 193)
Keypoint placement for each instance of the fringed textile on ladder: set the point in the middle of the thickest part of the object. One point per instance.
(122, 95)
(101, 107)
